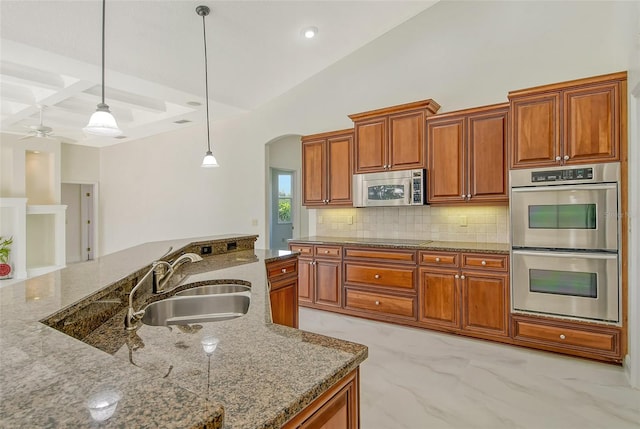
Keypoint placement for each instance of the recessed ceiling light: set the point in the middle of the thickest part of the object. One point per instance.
(310, 32)
(194, 103)
(181, 121)
(36, 152)
(121, 137)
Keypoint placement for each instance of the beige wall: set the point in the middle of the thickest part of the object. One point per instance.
(80, 164)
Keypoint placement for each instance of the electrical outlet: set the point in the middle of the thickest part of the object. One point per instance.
(254, 222)
(463, 221)
(205, 250)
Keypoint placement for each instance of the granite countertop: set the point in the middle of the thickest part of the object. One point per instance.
(398, 243)
(260, 375)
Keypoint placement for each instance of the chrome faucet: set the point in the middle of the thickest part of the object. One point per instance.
(133, 316)
(161, 276)
(160, 279)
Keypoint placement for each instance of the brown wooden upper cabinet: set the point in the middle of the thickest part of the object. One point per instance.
(392, 138)
(467, 152)
(567, 123)
(327, 167)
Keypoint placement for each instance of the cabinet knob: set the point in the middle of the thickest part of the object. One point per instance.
(468, 196)
(566, 157)
(562, 337)
(326, 251)
(558, 158)
(437, 259)
(377, 276)
(463, 196)
(462, 277)
(377, 302)
(457, 276)
(284, 270)
(484, 262)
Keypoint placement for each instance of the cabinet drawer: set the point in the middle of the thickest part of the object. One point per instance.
(282, 268)
(440, 259)
(384, 276)
(328, 251)
(574, 337)
(303, 249)
(490, 262)
(384, 254)
(380, 303)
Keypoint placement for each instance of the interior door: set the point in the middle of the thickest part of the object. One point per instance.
(282, 208)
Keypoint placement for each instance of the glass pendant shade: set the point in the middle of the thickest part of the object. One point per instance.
(102, 123)
(209, 160)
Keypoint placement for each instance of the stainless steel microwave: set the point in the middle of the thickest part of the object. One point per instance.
(390, 189)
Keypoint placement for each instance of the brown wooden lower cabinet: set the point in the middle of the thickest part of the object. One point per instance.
(569, 337)
(283, 294)
(465, 293)
(284, 302)
(380, 303)
(337, 408)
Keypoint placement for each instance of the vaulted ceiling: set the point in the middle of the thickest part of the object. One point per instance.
(50, 56)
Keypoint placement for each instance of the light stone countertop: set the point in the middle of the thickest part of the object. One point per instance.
(259, 376)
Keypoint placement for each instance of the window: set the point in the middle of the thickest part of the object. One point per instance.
(284, 198)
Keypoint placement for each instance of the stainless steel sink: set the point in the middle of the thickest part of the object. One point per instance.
(214, 289)
(181, 310)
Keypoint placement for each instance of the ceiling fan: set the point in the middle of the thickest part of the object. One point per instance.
(40, 130)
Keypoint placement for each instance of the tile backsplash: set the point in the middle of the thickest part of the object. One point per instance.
(470, 224)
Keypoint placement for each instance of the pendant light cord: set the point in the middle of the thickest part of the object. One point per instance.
(206, 81)
(103, 13)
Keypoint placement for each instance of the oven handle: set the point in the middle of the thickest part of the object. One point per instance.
(552, 188)
(559, 254)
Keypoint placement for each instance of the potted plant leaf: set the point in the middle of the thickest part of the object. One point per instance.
(6, 270)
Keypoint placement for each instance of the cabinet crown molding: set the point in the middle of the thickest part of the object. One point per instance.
(327, 134)
(430, 105)
(622, 76)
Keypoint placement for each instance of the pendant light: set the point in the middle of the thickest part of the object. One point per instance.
(209, 160)
(102, 122)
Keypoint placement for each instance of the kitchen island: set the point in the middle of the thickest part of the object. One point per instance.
(260, 375)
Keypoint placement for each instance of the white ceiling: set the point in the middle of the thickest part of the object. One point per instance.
(50, 55)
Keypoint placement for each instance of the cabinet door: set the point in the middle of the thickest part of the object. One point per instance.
(305, 280)
(406, 141)
(485, 298)
(446, 175)
(284, 302)
(314, 166)
(592, 123)
(371, 146)
(340, 170)
(439, 298)
(487, 156)
(338, 408)
(328, 283)
(535, 131)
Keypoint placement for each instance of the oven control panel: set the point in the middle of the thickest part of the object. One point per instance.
(560, 175)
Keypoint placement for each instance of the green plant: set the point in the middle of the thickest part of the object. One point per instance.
(5, 249)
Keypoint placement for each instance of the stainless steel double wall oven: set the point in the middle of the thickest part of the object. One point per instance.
(565, 257)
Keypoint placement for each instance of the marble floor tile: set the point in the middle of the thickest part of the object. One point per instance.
(416, 379)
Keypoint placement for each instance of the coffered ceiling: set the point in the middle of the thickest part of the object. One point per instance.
(50, 56)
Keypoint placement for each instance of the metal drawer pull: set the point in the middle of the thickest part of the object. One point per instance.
(437, 259)
(484, 262)
(377, 276)
(284, 270)
(377, 302)
(562, 337)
